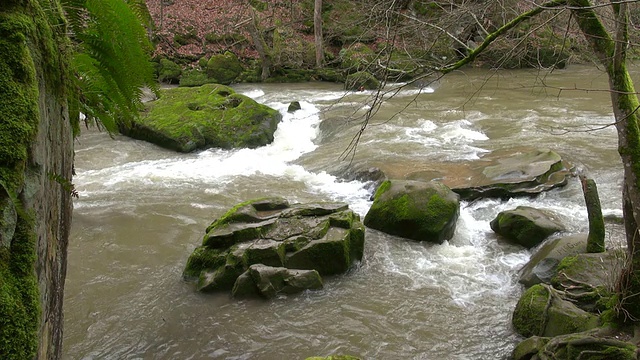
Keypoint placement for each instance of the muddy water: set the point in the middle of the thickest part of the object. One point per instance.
(142, 210)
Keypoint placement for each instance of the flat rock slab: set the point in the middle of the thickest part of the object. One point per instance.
(518, 175)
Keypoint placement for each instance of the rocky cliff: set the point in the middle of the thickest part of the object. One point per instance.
(36, 160)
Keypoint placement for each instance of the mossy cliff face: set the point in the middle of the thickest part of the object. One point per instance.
(35, 148)
(186, 119)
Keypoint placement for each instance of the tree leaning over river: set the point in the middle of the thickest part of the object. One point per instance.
(611, 47)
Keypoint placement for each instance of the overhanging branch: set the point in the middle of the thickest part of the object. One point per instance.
(496, 34)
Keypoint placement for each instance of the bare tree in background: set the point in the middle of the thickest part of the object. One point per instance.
(317, 32)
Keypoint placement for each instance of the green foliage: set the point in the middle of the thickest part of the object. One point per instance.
(110, 59)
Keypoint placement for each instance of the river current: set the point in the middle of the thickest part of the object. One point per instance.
(143, 209)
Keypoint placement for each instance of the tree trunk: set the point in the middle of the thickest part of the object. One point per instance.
(317, 31)
(612, 54)
(260, 44)
(36, 160)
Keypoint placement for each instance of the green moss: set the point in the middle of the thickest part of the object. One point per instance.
(528, 317)
(30, 38)
(203, 258)
(386, 185)
(169, 72)
(224, 68)
(185, 119)
(194, 77)
(232, 214)
(19, 297)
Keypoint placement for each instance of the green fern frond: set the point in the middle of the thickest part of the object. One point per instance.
(111, 60)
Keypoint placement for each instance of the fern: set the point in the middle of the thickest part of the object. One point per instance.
(111, 59)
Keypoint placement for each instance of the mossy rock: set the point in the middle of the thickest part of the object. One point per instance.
(224, 68)
(526, 226)
(422, 211)
(543, 265)
(594, 344)
(361, 80)
(327, 238)
(541, 312)
(169, 72)
(212, 115)
(268, 281)
(334, 357)
(194, 77)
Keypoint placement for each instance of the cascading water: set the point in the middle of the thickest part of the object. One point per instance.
(143, 209)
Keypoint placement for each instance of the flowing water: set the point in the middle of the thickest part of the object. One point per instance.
(143, 209)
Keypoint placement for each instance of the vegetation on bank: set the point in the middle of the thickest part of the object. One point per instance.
(396, 41)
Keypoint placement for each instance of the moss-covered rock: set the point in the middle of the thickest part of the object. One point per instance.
(526, 226)
(194, 77)
(593, 345)
(422, 211)
(267, 281)
(224, 68)
(334, 357)
(327, 238)
(186, 119)
(541, 312)
(361, 80)
(169, 72)
(542, 266)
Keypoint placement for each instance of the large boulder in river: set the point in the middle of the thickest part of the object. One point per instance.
(542, 266)
(325, 237)
(526, 226)
(211, 115)
(422, 211)
(519, 175)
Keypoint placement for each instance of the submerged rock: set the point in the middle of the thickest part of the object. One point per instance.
(520, 175)
(211, 115)
(294, 106)
(526, 226)
(422, 211)
(325, 237)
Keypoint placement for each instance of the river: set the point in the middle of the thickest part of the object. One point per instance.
(143, 209)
